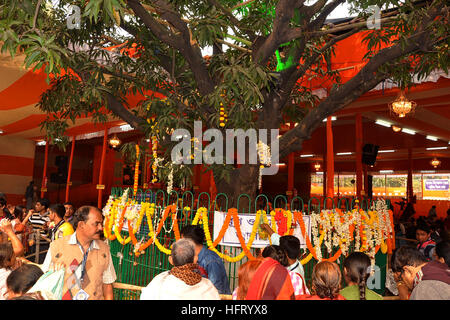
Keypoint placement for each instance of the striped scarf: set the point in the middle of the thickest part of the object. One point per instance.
(187, 273)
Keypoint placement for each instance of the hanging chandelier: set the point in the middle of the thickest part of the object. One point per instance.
(396, 129)
(435, 162)
(317, 166)
(401, 106)
(114, 141)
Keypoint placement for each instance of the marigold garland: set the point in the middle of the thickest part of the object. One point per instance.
(373, 230)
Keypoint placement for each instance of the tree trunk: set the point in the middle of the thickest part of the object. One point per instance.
(243, 181)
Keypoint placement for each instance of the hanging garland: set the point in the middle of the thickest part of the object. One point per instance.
(332, 228)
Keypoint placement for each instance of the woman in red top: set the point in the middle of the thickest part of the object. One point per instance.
(326, 283)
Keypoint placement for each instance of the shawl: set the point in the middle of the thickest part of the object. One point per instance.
(187, 273)
(271, 282)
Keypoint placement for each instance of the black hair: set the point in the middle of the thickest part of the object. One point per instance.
(2, 202)
(44, 202)
(277, 253)
(442, 250)
(23, 278)
(59, 209)
(82, 214)
(8, 214)
(193, 232)
(291, 245)
(68, 204)
(357, 266)
(406, 256)
(424, 226)
(18, 212)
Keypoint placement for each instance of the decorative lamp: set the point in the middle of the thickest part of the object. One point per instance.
(396, 129)
(435, 162)
(317, 166)
(401, 106)
(114, 141)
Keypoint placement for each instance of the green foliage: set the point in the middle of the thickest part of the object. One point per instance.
(82, 74)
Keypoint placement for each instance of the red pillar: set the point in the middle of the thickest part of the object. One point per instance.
(291, 170)
(358, 154)
(409, 182)
(44, 174)
(330, 160)
(69, 171)
(100, 187)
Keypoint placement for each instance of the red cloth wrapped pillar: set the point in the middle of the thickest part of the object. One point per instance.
(44, 174)
(69, 171)
(358, 154)
(100, 187)
(330, 161)
(409, 181)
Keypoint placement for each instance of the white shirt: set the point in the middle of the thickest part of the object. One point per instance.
(109, 275)
(296, 266)
(168, 287)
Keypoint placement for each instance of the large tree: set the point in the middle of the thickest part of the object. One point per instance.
(262, 52)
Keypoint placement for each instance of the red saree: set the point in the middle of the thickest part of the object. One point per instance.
(271, 282)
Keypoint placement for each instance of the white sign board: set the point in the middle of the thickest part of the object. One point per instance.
(246, 222)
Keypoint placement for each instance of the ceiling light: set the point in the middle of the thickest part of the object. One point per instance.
(386, 171)
(427, 171)
(432, 138)
(114, 141)
(401, 106)
(306, 155)
(435, 162)
(1, 132)
(383, 123)
(437, 148)
(343, 153)
(41, 143)
(408, 131)
(317, 166)
(396, 128)
(385, 151)
(333, 118)
(281, 164)
(319, 172)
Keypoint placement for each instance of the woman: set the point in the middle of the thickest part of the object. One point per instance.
(357, 268)
(326, 282)
(270, 282)
(245, 275)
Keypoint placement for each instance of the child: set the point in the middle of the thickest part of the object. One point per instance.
(325, 282)
(426, 244)
(356, 273)
(22, 279)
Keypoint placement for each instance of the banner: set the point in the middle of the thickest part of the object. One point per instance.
(437, 184)
(246, 222)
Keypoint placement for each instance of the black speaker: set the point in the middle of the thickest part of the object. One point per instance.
(61, 163)
(58, 178)
(369, 154)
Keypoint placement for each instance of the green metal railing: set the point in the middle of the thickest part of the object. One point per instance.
(141, 270)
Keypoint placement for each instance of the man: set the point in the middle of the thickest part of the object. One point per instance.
(291, 245)
(89, 268)
(70, 209)
(61, 228)
(182, 282)
(426, 280)
(211, 265)
(38, 218)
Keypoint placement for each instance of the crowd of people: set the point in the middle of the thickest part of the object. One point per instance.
(72, 240)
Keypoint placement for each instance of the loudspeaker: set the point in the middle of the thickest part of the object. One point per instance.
(369, 154)
(58, 178)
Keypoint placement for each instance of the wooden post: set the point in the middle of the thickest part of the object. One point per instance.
(330, 161)
(44, 174)
(358, 154)
(69, 171)
(100, 186)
